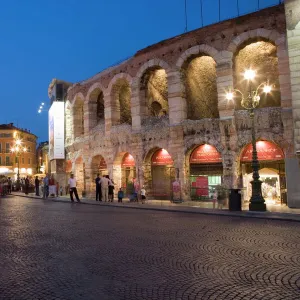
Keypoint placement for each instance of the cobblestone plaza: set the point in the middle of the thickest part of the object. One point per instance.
(55, 250)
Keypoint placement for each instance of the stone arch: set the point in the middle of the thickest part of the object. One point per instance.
(78, 115)
(199, 75)
(120, 93)
(159, 173)
(270, 35)
(153, 91)
(196, 50)
(258, 53)
(95, 102)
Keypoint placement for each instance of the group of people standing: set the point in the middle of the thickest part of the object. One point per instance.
(104, 188)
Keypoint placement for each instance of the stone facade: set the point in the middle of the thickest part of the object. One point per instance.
(146, 101)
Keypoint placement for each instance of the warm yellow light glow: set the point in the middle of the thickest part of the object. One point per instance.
(25, 149)
(12, 149)
(267, 89)
(18, 142)
(17, 149)
(249, 74)
(229, 96)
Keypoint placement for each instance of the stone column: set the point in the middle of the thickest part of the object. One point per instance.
(177, 103)
(292, 11)
(138, 109)
(90, 187)
(111, 112)
(90, 116)
(224, 82)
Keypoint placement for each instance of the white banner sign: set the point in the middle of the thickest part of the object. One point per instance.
(57, 131)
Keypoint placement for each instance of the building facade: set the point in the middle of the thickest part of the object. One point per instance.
(9, 134)
(162, 115)
(42, 158)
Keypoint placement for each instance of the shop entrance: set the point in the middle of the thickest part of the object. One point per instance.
(272, 172)
(163, 174)
(206, 172)
(128, 170)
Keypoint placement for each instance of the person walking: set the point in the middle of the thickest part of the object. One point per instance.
(111, 187)
(120, 195)
(26, 185)
(98, 188)
(73, 189)
(37, 186)
(143, 194)
(104, 187)
(46, 187)
(9, 185)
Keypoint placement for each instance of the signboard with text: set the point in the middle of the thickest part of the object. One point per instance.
(205, 154)
(161, 158)
(265, 151)
(56, 131)
(128, 161)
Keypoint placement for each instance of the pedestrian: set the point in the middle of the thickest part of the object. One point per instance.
(57, 189)
(143, 194)
(9, 185)
(26, 185)
(111, 187)
(104, 187)
(214, 198)
(61, 190)
(46, 187)
(120, 195)
(98, 188)
(73, 189)
(37, 186)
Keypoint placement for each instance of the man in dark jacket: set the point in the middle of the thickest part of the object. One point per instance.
(37, 186)
(98, 188)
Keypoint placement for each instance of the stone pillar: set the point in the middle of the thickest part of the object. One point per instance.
(177, 103)
(292, 11)
(137, 106)
(117, 175)
(90, 116)
(225, 82)
(90, 186)
(58, 171)
(178, 155)
(107, 113)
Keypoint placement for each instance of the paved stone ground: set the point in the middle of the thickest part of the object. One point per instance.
(52, 250)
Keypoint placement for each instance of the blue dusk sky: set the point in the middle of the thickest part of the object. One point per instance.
(74, 39)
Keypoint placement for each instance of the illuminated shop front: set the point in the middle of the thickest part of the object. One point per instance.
(128, 171)
(272, 172)
(163, 174)
(206, 171)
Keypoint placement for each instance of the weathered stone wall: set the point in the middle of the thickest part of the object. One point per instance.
(196, 68)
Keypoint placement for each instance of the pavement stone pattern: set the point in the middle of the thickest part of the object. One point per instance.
(55, 250)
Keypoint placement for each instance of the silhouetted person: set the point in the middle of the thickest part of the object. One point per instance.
(26, 185)
(37, 186)
(73, 189)
(98, 188)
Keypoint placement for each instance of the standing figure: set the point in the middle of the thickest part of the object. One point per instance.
(37, 186)
(73, 189)
(98, 188)
(111, 187)
(46, 187)
(26, 185)
(9, 185)
(61, 190)
(143, 194)
(104, 187)
(120, 195)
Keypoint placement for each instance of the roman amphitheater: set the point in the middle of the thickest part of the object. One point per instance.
(162, 115)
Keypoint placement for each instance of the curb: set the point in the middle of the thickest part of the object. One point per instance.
(246, 214)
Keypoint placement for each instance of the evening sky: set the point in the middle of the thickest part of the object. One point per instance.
(73, 40)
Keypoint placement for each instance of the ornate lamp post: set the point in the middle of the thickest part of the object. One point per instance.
(18, 149)
(250, 101)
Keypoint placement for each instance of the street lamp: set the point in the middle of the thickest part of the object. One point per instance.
(250, 101)
(18, 149)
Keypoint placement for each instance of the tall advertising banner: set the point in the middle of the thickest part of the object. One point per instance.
(57, 131)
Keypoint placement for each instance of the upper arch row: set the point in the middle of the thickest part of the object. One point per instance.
(219, 57)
